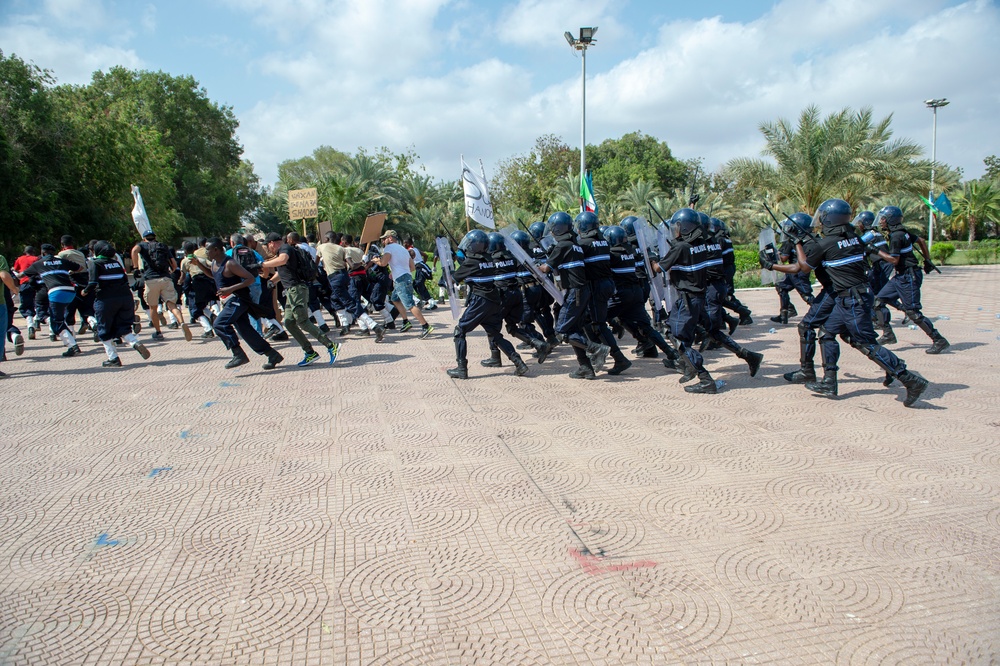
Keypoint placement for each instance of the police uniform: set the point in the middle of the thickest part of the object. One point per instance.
(597, 268)
(55, 275)
(729, 275)
(538, 301)
(483, 308)
(842, 253)
(879, 273)
(505, 277)
(904, 287)
(816, 317)
(791, 282)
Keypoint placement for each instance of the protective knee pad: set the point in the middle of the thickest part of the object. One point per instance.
(804, 331)
(869, 351)
(458, 333)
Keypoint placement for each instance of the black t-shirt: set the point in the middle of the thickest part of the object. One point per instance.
(688, 263)
(566, 258)
(715, 259)
(505, 270)
(623, 264)
(150, 272)
(842, 255)
(289, 271)
(728, 253)
(901, 245)
(596, 255)
(107, 276)
(478, 272)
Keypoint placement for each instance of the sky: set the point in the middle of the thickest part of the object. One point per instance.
(486, 78)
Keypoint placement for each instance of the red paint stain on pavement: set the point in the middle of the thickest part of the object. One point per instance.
(596, 565)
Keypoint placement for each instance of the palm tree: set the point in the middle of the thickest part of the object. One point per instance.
(565, 193)
(847, 156)
(633, 200)
(978, 202)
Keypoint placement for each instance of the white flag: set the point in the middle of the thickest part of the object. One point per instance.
(139, 213)
(477, 198)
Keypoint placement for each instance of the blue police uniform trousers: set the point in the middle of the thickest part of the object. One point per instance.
(852, 317)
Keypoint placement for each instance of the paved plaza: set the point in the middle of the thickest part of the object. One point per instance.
(378, 512)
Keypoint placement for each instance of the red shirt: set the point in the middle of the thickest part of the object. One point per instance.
(21, 264)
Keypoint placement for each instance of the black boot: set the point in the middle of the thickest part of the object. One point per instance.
(621, 363)
(238, 359)
(597, 354)
(493, 361)
(461, 371)
(915, 386)
(731, 322)
(782, 317)
(752, 358)
(792, 312)
(705, 384)
(583, 372)
(649, 352)
(807, 373)
(888, 337)
(685, 366)
(520, 368)
(940, 344)
(542, 350)
(745, 319)
(828, 386)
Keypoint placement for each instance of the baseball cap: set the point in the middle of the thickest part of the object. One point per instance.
(389, 233)
(273, 236)
(149, 234)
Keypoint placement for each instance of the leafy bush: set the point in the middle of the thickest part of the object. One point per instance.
(941, 252)
(981, 255)
(746, 260)
(747, 280)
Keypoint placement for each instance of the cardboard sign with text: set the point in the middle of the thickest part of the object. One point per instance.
(373, 227)
(303, 204)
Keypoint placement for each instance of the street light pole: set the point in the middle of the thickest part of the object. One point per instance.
(585, 40)
(934, 105)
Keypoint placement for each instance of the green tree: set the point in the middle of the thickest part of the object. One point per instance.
(635, 197)
(526, 181)
(846, 155)
(618, 163)
(992, 167)
(976, 204)
(308, 171)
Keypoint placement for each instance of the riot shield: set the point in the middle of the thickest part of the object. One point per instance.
(523, 258)
(444, 255)
(767, 242)
(646, 240)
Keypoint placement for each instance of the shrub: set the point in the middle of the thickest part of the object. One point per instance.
(747, 280)
(941, 252)
(981, 255)
(746, 260)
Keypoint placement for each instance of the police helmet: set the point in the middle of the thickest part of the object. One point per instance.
(585, 221)
(892, 216)
(706, 222)
(717, 226)
(521, 238)
(614, 235)
(537, 230)
(496, 241)
(475, 242)
(559, 223)
(834, 213)
(628, 224)
(603, 230)
(866, 220)
(798, 224)
(685, 222)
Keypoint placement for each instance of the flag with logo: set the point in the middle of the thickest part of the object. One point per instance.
(943, 204)
(478, 206)
(587, 202)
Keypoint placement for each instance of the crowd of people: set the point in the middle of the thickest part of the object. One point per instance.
(563, 281)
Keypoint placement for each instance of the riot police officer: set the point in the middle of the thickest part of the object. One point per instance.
(566, 258)
(905, 285)
(879, 271)
(483, 306)
(842, 253)
(791, 282)
(537, 300)
(597, 267)
(720, 233)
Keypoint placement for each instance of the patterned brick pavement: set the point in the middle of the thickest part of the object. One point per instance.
(378, 512)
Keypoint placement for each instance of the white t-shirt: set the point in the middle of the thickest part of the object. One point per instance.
(399, 259)
(418, 256)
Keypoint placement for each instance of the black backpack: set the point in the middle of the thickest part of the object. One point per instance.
(159, 257)
(305, 267)
(246, 258)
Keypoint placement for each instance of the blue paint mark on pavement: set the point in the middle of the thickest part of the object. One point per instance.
(103, 540)
(228, 384)
(208, 404)
(158, 470)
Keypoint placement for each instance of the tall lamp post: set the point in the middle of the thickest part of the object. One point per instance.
(585, 40)
(934, 105)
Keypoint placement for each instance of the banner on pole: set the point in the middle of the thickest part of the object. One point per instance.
(478, 206)
(139, 216)
(303, 204)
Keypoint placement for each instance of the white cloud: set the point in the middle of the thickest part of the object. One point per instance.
(537, 23)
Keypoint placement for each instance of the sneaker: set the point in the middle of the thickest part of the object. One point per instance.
(136, 327)
(83, 327)
(187, 332)
(425, 331)
(141, 348)
(273, 359)
(281, 337)
(72, 351)
(208, 334)
(333, 351)
(391, 326)
(325, 328)
(156, 335)
(18, 344)
(173, 325)
(270, 332)
(237, 360)
(406, 326)
(4, 375)
(31, 333)
(112, 363)
(379, 332)
(52, 337)
(97, 338)
(310, 357)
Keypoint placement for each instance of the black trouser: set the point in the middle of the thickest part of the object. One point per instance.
(511, 314)
(235, 318)
(538, 303)
(115, 314)
(480, 311)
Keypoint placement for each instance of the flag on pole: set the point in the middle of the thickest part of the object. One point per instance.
(929, 204)
(943, 204)
(587, 202)
(477, 198)
(139, 216)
